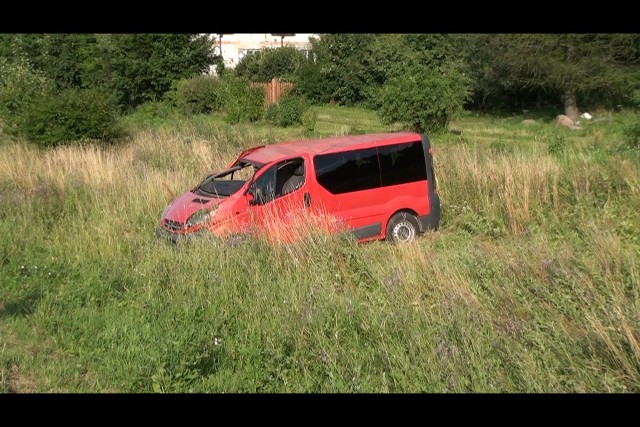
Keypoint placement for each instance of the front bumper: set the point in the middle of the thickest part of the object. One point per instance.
(175, 238)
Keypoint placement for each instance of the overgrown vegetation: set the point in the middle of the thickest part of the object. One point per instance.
(288, 112)
(530, 285)
(424, 99)
(197, 95)
(421, 80)
(241, 101)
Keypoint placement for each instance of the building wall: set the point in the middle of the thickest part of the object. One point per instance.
(235, 46)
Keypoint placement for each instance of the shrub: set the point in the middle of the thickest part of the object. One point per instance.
(70, 115)
(197, 95)
(152, 113)
(632, 132)
(423, 98)
(288, 112)
(309, 119)
(266, 64)
(20, 85)
(310, 82)
(241, 102)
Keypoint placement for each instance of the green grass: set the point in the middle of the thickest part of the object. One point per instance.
(530, 285)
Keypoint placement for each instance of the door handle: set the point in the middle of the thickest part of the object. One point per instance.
(307, 200)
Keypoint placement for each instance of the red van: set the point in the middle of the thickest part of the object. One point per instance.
(378, 186)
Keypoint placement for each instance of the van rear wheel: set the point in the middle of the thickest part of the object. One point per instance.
(402, 228)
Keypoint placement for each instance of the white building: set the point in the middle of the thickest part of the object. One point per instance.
(233, 47)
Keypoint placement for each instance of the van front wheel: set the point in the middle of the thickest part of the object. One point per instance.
(402, 228)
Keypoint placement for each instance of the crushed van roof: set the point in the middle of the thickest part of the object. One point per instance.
(274, 152)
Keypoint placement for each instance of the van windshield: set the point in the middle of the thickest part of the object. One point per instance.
(226, 182)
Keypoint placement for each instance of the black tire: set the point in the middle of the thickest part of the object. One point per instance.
(402, 228)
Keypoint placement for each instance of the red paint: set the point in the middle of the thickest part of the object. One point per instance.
(287, 217)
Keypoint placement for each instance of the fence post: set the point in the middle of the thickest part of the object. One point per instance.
(274, 90)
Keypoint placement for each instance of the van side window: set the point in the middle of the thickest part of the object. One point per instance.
(263, 188)
(402, 163)
(290, 176)
(348, 171)
(278, 180)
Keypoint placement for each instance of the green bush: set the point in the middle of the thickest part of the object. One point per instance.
(152, 113)
(241, 102)
(309, 119)
(266, 64)
(20, 84)
(310, 82)
(632, 132)
(423, 98)
(70, 115)
(288, 112)
(197, 95)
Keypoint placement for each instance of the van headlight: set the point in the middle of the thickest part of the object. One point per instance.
(200, 217)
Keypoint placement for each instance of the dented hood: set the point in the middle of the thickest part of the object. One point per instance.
(187, 204)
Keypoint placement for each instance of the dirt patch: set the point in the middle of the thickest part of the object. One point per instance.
(20, 383)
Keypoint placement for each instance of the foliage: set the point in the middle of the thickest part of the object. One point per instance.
(309, 120)
(142, 67)
(529, 286)
(576, 65)
(240, 101)
(20, 85)
(288, 112)
(632, 131)
(423, 98)
(311, 83)
(196, 95)
(70, 115)
(267, 64)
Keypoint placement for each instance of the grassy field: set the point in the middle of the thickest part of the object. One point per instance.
(530, 285)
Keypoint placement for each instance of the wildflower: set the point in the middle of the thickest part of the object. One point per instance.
(217, 341)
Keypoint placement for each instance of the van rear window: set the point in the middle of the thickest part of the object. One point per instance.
(369, 168)
(402, 163)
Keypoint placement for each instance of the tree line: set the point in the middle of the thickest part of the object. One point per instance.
(421, 80)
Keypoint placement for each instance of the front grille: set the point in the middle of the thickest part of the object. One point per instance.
(174, 225)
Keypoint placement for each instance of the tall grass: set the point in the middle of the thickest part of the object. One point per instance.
(530, 285)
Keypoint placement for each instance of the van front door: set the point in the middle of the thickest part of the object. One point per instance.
(276, 200)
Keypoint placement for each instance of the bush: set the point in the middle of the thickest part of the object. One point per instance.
(20, 85)
(70, 115)
(266, 64)
(197, 95)
(632, 132)
(288, 112)
(152, 113)
(241, 102)
(309, 119)
(424, 99)
(310, 82)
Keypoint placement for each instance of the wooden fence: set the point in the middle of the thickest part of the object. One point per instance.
(273, 90)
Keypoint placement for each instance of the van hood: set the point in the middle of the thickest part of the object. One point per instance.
(187, 204)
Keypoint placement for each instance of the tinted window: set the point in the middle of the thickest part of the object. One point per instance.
(348, 171)
(402, 163)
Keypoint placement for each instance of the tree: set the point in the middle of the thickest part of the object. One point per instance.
(567, 65)
(67, 60)
(424, 97)
(266, 64)
(346, 61)
(141, 67)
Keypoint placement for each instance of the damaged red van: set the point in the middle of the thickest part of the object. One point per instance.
(377, 186)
